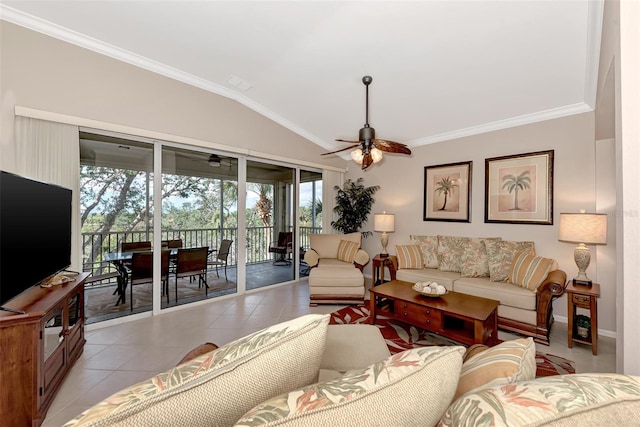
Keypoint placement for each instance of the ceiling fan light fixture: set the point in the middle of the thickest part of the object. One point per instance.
(376, 155)
(214, 161)
(357, 155)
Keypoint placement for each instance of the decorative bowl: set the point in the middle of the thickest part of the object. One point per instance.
(431, 295)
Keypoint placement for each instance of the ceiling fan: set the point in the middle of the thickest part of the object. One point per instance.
(214, 160)
(368, 149)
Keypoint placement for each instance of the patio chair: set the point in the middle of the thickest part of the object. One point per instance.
(142, 271)
(172, 244)
(282, 248)
(135, 246)
(221, 257)
(192, 262)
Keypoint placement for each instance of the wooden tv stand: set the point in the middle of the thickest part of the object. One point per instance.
(39, 348)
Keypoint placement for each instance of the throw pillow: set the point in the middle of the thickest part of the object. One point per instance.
(414, 386)
(429, 249)
(347, 250)
(475, 262)
(216, 389)
(409, 256)
(506, 363)
(559, 400)
(450, 250)
(529, 271)
(501, 254)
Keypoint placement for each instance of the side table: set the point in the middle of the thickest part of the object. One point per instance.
(379, 263)
(583, 297)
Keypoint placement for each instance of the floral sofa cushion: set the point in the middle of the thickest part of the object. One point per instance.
(450, 250)
(218, 387)
(474, 260)
(414, 386)
(429, 249)
(561, 400)
(501, 254)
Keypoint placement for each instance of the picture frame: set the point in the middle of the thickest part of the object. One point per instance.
(447, 192)
(519, 188)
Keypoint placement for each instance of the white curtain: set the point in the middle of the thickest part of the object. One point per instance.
(330, 179)
(50, 152)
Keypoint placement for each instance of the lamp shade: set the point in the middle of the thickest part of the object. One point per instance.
(588, 228)
(384, 222)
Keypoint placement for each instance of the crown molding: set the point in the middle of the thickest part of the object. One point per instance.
(504, 124)
(61, 33)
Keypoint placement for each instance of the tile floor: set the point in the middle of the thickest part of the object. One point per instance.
(121, 355)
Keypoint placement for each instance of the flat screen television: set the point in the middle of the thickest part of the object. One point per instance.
(35, 233)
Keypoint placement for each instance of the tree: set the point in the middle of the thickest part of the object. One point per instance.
(353, 205)
(514, 184)
(445, 186)
(264, 205)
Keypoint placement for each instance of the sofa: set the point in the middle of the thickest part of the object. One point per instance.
(336, 262)
(485, 267)
(275, 377)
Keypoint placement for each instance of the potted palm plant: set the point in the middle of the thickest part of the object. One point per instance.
(353, 205)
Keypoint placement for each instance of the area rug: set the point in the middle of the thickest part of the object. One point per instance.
(401, 336)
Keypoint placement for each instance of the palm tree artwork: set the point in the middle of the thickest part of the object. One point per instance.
(515, 183)
(445, 186)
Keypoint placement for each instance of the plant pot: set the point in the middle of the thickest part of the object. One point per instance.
(583, 332)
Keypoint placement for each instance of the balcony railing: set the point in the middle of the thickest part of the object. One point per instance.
(95, 245)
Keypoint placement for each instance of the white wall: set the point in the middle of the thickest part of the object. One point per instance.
(401, 179)
(43, 73)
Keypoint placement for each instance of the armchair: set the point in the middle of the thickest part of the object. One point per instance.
(336, 262)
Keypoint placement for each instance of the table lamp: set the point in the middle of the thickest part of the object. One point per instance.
(384, 223)
(585, 229)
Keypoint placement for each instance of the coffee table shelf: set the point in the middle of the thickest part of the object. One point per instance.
(463, 318)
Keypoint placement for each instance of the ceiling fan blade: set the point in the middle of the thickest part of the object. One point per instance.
(343, 149)
(391, 146)
(350, 142)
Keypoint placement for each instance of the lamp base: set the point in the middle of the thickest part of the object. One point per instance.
(582, 282)
(383, 255)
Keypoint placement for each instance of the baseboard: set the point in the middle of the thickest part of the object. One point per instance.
(601, 332)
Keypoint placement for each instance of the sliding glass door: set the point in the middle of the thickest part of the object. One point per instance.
(269, 224)
(199, 211)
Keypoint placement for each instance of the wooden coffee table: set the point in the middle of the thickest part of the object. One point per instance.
(460, 317)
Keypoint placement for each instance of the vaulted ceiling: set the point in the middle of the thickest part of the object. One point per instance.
(441, 69)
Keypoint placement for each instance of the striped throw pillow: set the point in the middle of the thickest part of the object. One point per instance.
(529, 271)
(347, 251)
(409, 256)
(506, 363)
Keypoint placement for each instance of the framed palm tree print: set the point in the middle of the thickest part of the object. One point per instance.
(447, 192)
(519, 188)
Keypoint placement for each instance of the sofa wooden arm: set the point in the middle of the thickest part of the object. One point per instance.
(552, 287)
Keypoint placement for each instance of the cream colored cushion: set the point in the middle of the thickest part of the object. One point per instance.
(505, 363)
(429, 249)
(218, 387)
(332, 276)
(414, 387)
(559, 400)
(529, 271)
(501, 254)
(409, 256)
(450, 250)
(311, 257)
(474, 261)
(326, 245)
(352, 346)
(347, 250)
